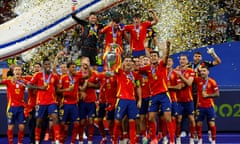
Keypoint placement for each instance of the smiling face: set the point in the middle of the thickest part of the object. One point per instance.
(169, 63)
(63, 68)
(154, 58)
(197, 58)
(36, 68)
(127, 63)
(183, 60)
(72, 68)
(85, 62)
(47, 65)
(204, 72)
(92, 19)
(17, 71)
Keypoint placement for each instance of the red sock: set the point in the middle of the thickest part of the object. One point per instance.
(138, 139)
(164, 127)
(174, 125)
(171, 131)
(192, 131)
(10, 136)
(111, 130)
(143, 132)
(20, 136)
(90, 132)
(132, 132)
(51, 134)
(116, 131)
(74, 132)
(152, 129)
(199, 131)
(125, 135)
(56, 131)
(81, 130)
(213, 132)
(62, 132)
(178, 131)
(101, 128)
(37, 134)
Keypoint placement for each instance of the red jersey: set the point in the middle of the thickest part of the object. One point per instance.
(112, 36)
(15, 92)
(108, 88)
(48, 96)
(173, 80)
(138, 35)
(66, 80)
(91, 95)
(210, 86)
(157, 76)
(126, 84)
(185, 94)
(32, 95)
(144, 85)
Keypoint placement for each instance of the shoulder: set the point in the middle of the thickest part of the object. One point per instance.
(146, 23)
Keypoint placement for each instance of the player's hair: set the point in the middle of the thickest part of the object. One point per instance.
(205, 67)
(137, 15)
(198, 53)
(116, 17)
(17, 66)
(184, 55)
(169, 57)
(127, 56)
(37, 63)
(155, 52)
(70, 64)
(45, 59)
(92, 13)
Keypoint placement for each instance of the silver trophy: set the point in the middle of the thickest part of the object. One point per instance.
(111, 55)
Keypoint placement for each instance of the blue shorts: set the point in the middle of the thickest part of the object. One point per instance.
(101, 112)
(186, 108)
(87, 110)
(69, 112)
(41, 110)
(162, 99)
(110, 114)
(201, 113)
(144, 108)
(124, 107)
(174, 108)
(138, 53)
(16, 114)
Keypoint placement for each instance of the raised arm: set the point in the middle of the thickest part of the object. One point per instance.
(55, 63)
(155, 18)
(166, 51)
(216, 60)
(78, 20)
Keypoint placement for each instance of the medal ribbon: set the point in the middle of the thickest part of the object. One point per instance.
(71, 79)
(44, 77)
(137, 30)
(204, 87)
(114, 34)
(169, 74)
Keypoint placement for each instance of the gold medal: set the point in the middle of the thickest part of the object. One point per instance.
(45, 84)
(114, 40)
(204, 93)
(155, 77)
(108, 85)
(71, 86)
